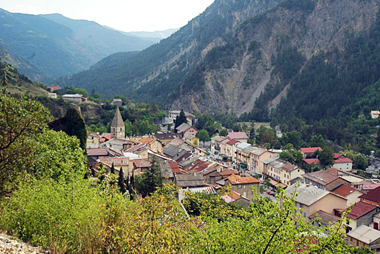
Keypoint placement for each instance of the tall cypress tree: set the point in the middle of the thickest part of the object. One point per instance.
(180, 119)
(120, 181)
(113, 168)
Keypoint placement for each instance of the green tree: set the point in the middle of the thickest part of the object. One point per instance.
(326, 157)
(359, 161)
(317, 141)
(252, 133)
(73, 124)
(7, 71)
(57, 156)
(120, 181)
(293, 137)
(21, 122)
(112, 169)
(223, 133)
(203, 135)
(180, 119)
(148, 182)
(265, 135)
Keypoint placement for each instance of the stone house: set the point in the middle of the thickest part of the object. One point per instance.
(348, 192)
(361, 214)
(311, 199)
(243, 185)
(341, 162)
(364, 236)
(282, 171)
(307, 152)
(239, 136)
(324, 180)
(372, 197)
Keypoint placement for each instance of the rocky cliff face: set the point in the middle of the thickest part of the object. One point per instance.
(237, 50)
(257, 44)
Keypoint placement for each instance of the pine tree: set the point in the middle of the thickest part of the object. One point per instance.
(120, 181)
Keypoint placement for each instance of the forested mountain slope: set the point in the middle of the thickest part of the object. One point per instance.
(155, 72)
(51, 46)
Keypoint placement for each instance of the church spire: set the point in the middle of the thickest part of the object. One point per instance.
(117, 125)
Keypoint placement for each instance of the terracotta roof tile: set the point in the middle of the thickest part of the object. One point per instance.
(235, 179)
(372, 195)
(360, 209)
(142, 163)
(312, 161)
(344, 190)
(146, 140)
(343, 160)
(310, 149)
(237, 135)
(232, 142)
(321, 177)
(97, 152)
(333, 171)
(228, 172)
(175, 168)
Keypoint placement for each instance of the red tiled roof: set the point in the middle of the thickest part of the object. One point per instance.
(53, 88)
(312, 161)
(236, 179)
(146, 140)
(310, 149)
(237, 135)
(333, 171)
(360, 209)
(336, 155)
(108, 136)
(228, 172)
(372, 195)
(344, 190)
(343, 160)
(175, 168)
(289, 167)
(208, 171)
(142, 163)
(97, 152)
(321, 177)
(237, 196)
(232, 142)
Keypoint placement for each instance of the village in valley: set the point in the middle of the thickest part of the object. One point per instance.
(229, 161)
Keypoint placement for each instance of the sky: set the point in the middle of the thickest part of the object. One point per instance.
(123, 15)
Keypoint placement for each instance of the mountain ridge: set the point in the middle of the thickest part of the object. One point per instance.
(43, 49)
(238, 57)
